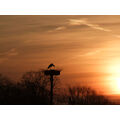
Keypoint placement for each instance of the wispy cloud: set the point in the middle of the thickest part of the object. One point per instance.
(118, 36)
(6, 55)
(90, 53)
(11, 52)
(83, 21)
(77, 22)
(59, 28)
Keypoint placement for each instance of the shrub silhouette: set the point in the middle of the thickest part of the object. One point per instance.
(85, 96)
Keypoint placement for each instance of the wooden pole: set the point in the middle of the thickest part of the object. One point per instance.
(51, 91)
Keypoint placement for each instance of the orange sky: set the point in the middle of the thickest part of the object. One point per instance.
(86, 48)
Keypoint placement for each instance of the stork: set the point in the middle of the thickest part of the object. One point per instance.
(51, 65)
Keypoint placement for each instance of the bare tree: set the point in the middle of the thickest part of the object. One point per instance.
(85, 96)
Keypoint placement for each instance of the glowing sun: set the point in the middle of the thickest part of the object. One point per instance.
(114, 78)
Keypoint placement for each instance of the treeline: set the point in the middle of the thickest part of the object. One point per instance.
(34, 89)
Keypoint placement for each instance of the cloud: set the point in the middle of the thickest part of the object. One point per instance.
(11, 52)
(76, 22)
(59, 28)
(118, 36)
(6, 55)
(79, 22)
(90, 53)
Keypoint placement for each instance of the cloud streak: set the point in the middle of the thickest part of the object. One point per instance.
(78, 22)
(6, 55)
(89, 54)
(11, 52)
(59, 28)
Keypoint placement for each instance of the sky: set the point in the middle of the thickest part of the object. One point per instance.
(86, 48)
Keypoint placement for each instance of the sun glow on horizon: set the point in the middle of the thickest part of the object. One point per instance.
(114, 78)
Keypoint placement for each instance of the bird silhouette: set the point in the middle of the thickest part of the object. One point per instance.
(51, 65)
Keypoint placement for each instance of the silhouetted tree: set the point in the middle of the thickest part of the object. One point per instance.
(85, 96)
(6, 90)
(34, 85)
(34, 89)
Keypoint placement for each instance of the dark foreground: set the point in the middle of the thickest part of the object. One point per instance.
(33, 89)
